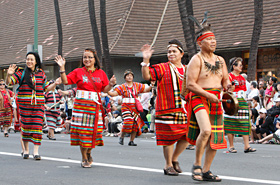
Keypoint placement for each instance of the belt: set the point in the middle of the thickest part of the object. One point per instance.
(128, 100)
(87, 95)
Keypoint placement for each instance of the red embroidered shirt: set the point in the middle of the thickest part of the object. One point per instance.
(79, 77)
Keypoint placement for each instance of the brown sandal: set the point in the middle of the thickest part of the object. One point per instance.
(176, 166)
(232, 150)
(249, 150)
(85, 164)
(170, 171)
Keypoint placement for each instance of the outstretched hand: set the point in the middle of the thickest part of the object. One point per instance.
(147, 51)
(58, 81)
(12, 69)
(113, 81)
(60, 60)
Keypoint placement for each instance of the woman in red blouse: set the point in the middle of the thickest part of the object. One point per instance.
(239, 123)
(86, 130)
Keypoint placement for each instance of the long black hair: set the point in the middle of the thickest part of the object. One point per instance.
(28, 71)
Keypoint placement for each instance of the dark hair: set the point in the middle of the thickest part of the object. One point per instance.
(256, 98)
(28, 71)
(254, 115)
(175, 41)
(97, 64)
(128, 71)
(254, 84)
(63, 115)
(273, 79)
(234, 62)
(275, 86)
(261, 91)
(202, 31)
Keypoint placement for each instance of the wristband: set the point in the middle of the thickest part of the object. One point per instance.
(61, 71)
(143, 64)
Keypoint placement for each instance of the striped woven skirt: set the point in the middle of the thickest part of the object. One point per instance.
(31, 119)
(240, 123)
(5, 117)
(215, 113)
(87, 124)
(132, 122)
(53, 119)
(171, 128)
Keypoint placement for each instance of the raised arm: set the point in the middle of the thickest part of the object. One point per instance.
(61, 62)
(147, 54)
(148, 89)
(10, 72)
(53, 85)
(111, 84)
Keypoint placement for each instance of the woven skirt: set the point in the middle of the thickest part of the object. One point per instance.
(31, 120)
(53, 119)
(5, 117)
(171, 128)
(240, 123)
(132, 122)
(87, 124)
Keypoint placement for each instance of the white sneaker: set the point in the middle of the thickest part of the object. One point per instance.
(111, 135)
(107, 135)
(154, 137)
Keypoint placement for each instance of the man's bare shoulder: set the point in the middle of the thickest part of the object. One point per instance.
(195, 60)
(220, 58)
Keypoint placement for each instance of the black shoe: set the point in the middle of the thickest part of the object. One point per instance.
(121, 141)
(36, 157)
(25, 156)
(52, 138)
(131, 143)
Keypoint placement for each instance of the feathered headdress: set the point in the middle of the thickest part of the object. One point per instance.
(204, 23)
(203, 26)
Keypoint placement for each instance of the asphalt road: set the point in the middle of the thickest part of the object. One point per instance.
(142, 165)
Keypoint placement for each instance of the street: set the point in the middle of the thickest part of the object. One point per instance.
(141, 165)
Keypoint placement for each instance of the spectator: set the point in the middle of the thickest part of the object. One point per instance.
(261, 97)
(276, 90)
(254, 115)
(268, 125)
(247, 84)
(153, 110)
(145, 99)
(255, 103)
(269, 93)
(275, 135)
(260, 130)
(114, 120)
(254, 91)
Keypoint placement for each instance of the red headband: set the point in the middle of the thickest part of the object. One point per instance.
(204, 36)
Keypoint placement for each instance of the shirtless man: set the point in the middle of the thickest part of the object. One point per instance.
(206, 74)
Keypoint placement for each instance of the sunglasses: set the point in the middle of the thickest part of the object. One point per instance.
(2, 84)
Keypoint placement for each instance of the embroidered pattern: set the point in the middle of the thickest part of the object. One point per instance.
(85, 79)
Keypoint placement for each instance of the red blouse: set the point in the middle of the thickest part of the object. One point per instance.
(79, 77)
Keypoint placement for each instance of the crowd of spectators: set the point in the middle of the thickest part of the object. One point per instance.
(264, 102)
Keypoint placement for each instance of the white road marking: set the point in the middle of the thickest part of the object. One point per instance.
(148, 169)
